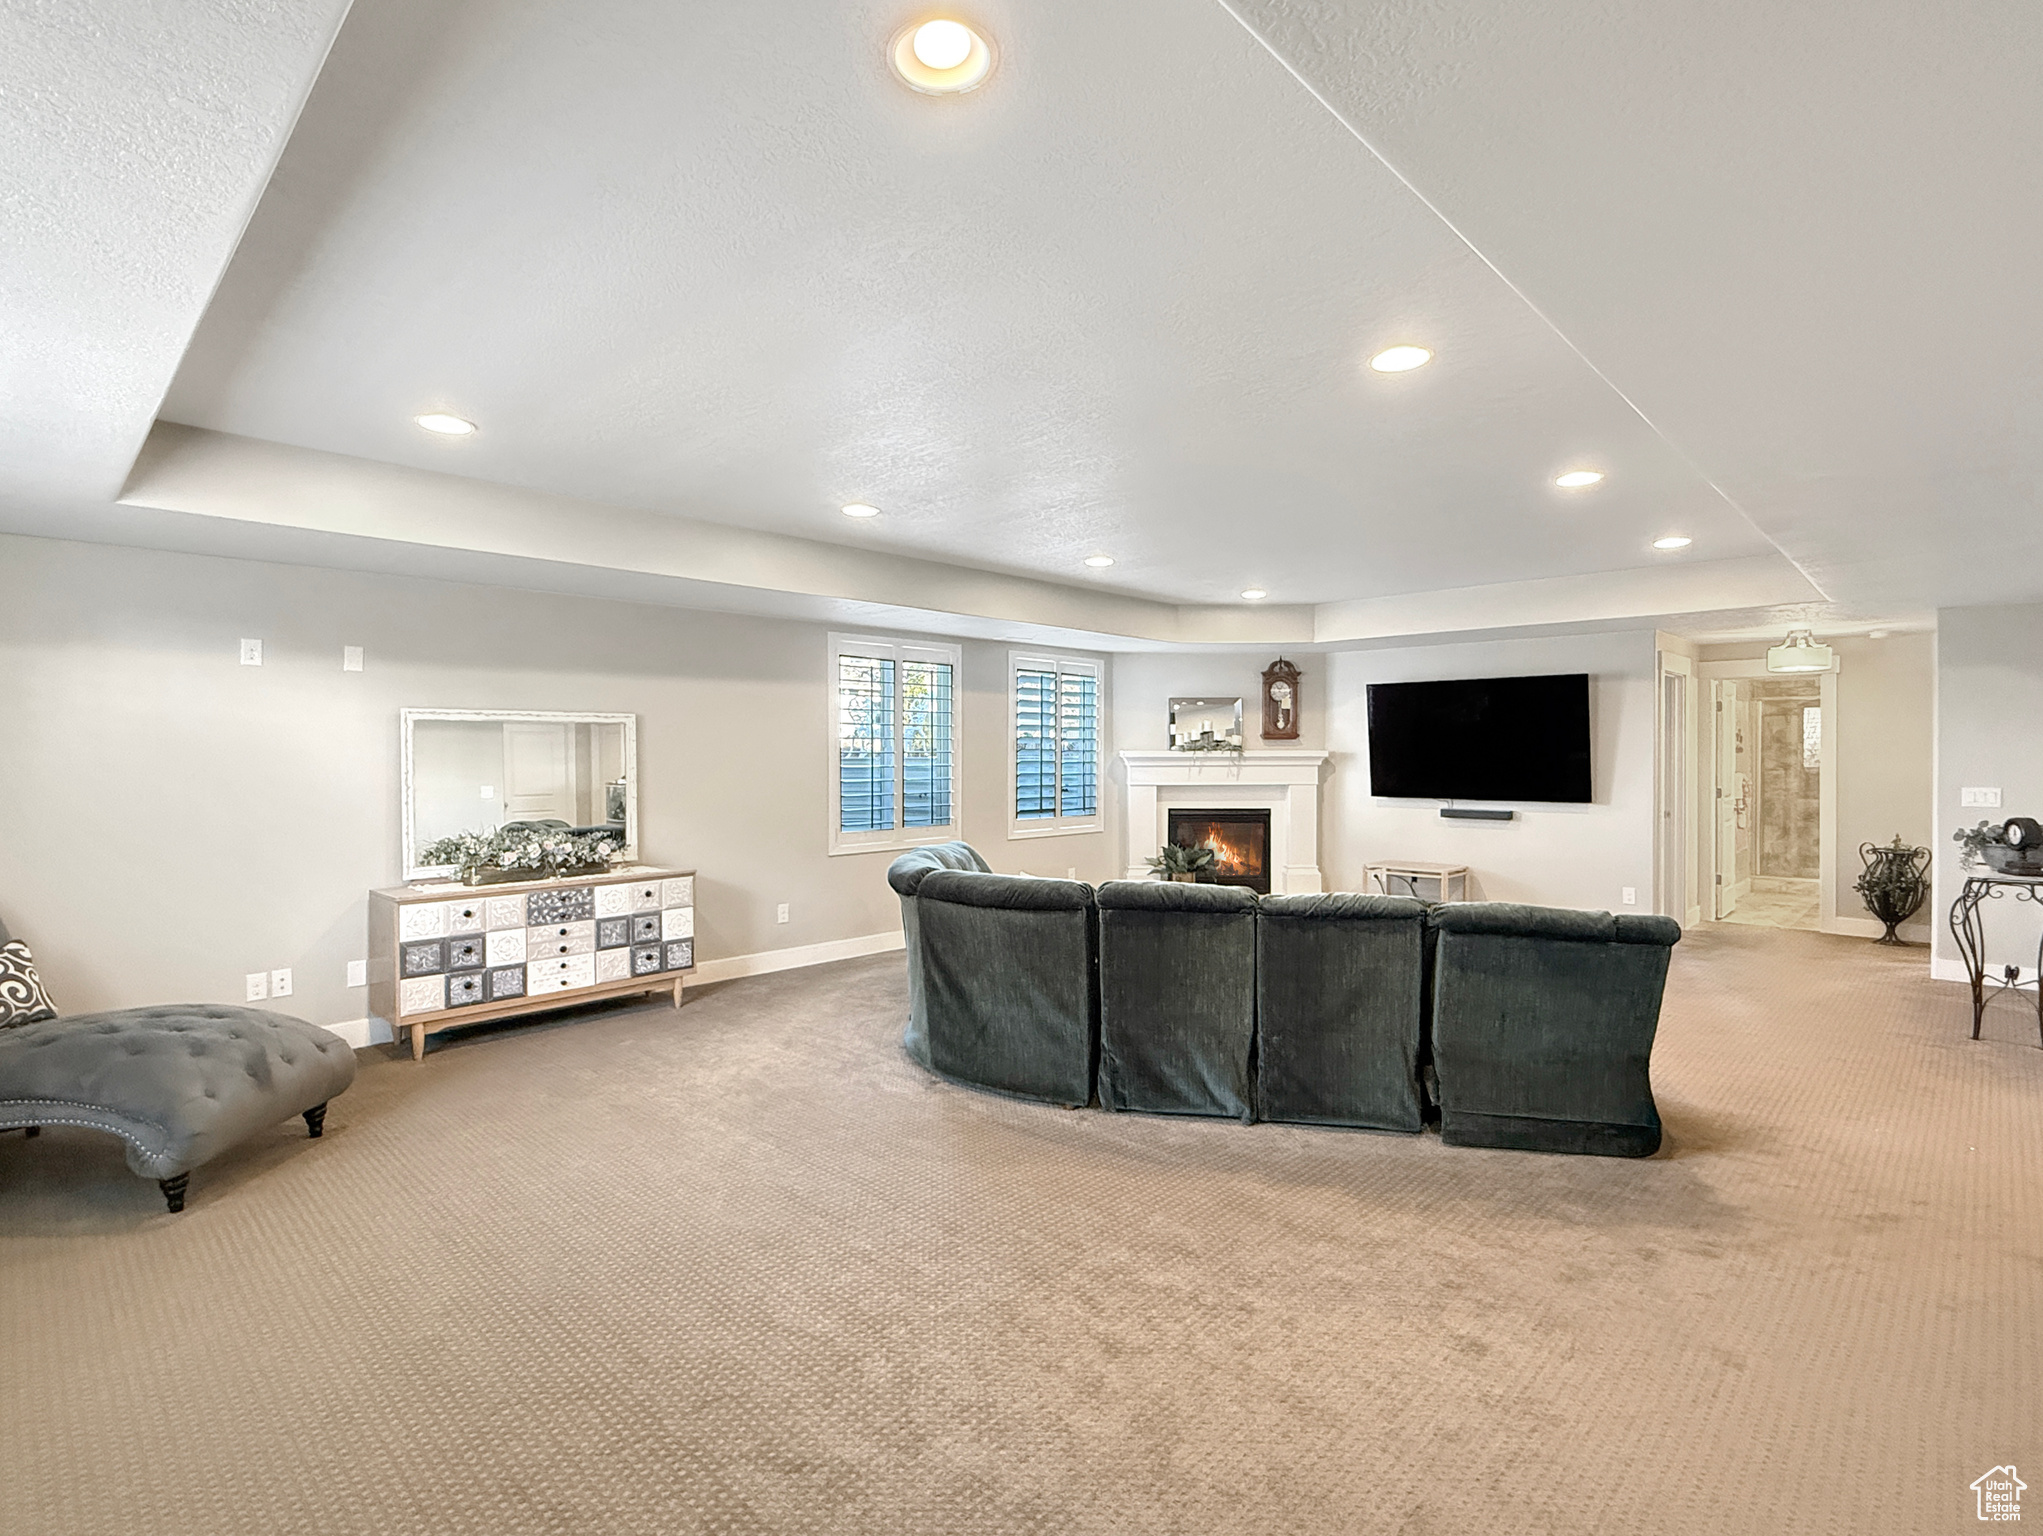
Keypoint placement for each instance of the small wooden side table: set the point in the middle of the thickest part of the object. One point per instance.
(1970, 932)
(1402, 879)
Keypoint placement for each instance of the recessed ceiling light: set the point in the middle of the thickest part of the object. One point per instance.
(1254, 594)
(1400, 359)
(860, 509)
(942, 44)
(1099, 562)
(940, 57)
(1575, 479)
(1672, 541)
(445, 425)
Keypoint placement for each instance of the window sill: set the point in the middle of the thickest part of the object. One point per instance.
(1018, 834)
(944, 835)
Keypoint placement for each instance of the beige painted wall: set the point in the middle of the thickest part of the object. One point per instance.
(1146, 681)
(170, 819)
(1989, 735)
(1558, 855)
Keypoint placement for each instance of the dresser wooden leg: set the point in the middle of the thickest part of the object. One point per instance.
(418, 1042)
(678, 982)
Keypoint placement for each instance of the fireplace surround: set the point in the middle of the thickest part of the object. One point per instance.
(1239, 837)
(1285, 782)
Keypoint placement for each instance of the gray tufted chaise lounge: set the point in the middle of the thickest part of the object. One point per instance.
(179, 1084)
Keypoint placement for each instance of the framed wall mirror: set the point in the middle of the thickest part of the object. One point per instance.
(1205, 725)
(473, 770)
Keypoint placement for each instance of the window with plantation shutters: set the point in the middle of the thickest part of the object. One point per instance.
(1055, 748)
(894, 749)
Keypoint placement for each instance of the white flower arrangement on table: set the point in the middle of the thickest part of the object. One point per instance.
(541, 850)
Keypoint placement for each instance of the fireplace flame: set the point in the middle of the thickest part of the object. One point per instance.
(1228, 859)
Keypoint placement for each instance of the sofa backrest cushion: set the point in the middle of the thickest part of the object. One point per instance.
(1344, 906)
(1013, 893)
(1340, 1009)
(1009, 983)
(907, 872)
(1517, 920)
(1175, 896)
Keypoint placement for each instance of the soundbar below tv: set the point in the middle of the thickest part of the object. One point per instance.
(1481, 738)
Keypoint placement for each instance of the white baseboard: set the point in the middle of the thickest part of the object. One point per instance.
(1954, 970)
(361, 1032)
(374, 1031)
(1869, 928)
(734, 966)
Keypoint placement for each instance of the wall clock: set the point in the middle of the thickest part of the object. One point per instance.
(1280, 701)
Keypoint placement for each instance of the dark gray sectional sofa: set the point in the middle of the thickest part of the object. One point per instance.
(1536, 1023)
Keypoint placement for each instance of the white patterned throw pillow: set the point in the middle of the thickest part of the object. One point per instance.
(22, 998)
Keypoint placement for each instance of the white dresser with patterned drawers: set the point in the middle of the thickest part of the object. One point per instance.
(443, 954)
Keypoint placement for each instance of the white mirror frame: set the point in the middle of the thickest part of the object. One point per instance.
(409, 717)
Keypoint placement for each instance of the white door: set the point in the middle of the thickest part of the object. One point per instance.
(539, 772)
(1724, 866)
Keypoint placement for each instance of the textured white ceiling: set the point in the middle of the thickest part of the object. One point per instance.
(1803, 238)
(134, 142)
(676, 259)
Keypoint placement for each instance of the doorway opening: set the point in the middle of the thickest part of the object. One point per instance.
(1770, 795)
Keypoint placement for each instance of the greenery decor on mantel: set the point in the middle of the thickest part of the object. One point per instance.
(1174, 861)
(522, 852)
(1220, 744)
(1895, 883)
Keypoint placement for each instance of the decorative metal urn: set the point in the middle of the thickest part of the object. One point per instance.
(1895, 883)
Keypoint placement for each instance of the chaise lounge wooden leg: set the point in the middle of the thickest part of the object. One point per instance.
(315, 1120)
(30, 1132)
(173, 1191)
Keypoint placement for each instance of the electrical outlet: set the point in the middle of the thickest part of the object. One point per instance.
(1631, 895)
(1071, 873)
(489, 791)
(351, 658)
(1986, 799)
(251, 653)
(358, 973)
(782, 916)
(258, 983)
(280, 982)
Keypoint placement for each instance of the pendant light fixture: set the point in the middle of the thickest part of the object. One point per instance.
(1799, 653)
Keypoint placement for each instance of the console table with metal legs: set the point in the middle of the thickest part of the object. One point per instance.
(1970, 931)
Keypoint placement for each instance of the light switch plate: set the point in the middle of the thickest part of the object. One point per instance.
(1986, 799)
(351, 658)
(258, 983)
(251, 653)
(358, 973)
(1631, 895)
(280, 982)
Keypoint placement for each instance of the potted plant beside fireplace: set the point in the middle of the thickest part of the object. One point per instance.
(1174, 861)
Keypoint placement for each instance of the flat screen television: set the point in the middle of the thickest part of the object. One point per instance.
(1481, 738)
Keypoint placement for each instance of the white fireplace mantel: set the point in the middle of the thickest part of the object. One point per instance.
(1283, 781)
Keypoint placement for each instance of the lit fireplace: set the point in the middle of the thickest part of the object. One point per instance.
(1240, 841)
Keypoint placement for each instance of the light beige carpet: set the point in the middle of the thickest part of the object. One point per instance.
(745, 1269)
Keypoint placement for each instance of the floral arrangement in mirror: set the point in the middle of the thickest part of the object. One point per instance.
(1206, 725)
(523, 850)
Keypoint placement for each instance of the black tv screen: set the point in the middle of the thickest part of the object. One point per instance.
(1481, 738)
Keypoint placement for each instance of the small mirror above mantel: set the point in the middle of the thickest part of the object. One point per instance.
(469, 770)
